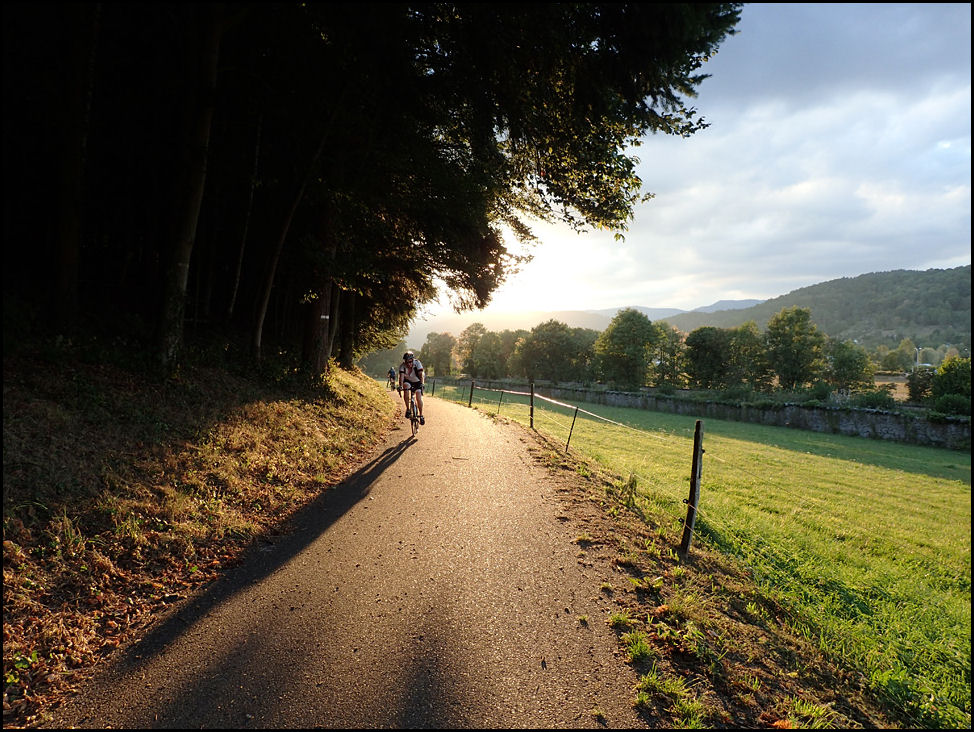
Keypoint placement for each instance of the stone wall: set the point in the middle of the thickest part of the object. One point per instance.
(954, 434)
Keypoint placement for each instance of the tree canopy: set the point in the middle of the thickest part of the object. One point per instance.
(795, 347)
(623, 350)
(305, 173)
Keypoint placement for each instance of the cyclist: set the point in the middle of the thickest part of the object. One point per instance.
(412, 376)
(392, 377)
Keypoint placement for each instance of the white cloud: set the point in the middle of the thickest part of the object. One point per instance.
(840, 144)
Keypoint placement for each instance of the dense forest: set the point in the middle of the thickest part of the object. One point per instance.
(295, 178)
(931, 308)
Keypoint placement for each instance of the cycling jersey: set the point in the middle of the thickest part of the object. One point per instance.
(411, 372)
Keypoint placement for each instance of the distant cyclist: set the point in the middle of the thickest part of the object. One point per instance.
(412, 377)
(392, 377)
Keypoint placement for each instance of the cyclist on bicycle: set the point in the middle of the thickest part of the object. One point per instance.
(412, 376)
(392, 377)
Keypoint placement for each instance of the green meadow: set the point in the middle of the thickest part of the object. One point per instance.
(863, 545)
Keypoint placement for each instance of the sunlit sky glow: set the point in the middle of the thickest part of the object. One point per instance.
(839, 144)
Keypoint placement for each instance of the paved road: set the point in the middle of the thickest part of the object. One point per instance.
(438, 587)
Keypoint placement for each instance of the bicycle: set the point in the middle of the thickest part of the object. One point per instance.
(391, 384)
(411, 412)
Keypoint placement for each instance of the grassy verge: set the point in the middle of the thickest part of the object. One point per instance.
(121, 495)
(861, 547)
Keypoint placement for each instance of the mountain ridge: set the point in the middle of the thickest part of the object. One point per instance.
(871, 309)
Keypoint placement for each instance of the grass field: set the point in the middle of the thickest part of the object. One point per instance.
(863, 545)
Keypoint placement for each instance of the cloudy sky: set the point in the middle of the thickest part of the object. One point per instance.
(840, 144)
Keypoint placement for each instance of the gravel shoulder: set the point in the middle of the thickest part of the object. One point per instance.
(441, 585)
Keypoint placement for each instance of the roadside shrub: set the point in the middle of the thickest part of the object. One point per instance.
(739, 394)
(953, 404)
(953, 377)
(879, 398)
(819, 392)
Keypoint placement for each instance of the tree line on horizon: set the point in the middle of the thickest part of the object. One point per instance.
(297, 178)
(789, 355)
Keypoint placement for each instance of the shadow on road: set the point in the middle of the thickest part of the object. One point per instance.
(260, 561)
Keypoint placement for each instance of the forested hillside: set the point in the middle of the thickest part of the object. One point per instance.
(930, 308)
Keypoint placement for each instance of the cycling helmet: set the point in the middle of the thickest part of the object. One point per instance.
(407, 356)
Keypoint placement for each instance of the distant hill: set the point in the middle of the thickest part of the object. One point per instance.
(727, 305)
(931, 307)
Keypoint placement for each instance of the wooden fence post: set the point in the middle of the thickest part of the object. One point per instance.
(499, 400)
(532, 405)
(571, 430)
(694, 498)
(470, 398)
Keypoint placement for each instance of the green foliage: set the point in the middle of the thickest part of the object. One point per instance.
(466, 344)
(748, 358)
(376, 151)
(437, 354)
(879, 398)
(706, 357)
(378, 363)
(848, 367)
(820, 391)
(953, 377)
(876, 309)
(953, 404)
(795, 347)
(622, 350)
(667, 357)
(919, 384)
(550, 351)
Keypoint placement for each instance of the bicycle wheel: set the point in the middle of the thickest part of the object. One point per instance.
(413, 419)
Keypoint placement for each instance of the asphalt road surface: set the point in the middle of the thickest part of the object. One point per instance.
(438, 587)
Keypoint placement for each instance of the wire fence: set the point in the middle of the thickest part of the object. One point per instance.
(868, 592)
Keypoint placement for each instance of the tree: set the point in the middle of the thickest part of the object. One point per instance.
(952, 377)
(898, 360)
(486, 360)
(622, 350)
(708, 362)
(437, 354)
(668, 357)
(394, 143)
(509, 341)
(583, 359)
(547, 352)
(748, 359)
(204, 30)
(919, 383)
(466, 344)
(848, 367)
(795, 347)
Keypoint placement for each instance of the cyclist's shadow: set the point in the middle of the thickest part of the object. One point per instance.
(260, 560)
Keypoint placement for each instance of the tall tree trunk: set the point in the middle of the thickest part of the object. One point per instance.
(317, 332)
(349, 326)
(336, 317)
(320, 320)
(246, 227)
(208, 24)
(81, 42)
(276, 256)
